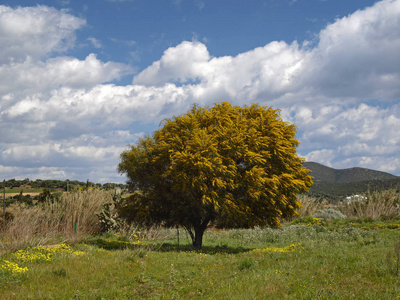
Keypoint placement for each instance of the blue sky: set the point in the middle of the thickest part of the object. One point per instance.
(80, 80)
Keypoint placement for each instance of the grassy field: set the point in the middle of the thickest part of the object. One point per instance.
(350, 251)
(331, 261)
(17, 192)
(24, 191)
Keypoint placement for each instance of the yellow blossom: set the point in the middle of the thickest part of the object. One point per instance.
(286, 249)
(12, 267)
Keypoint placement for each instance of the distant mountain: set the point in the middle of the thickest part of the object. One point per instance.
(335, 184)
(324, 175)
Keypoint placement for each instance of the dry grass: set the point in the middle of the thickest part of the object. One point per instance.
(70, 217)
(8, 195)
(311, 205)
(374, 205)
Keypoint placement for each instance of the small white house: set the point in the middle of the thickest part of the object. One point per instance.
(355, 198)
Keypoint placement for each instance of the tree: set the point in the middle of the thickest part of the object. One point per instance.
(45, 196)
(226, 165)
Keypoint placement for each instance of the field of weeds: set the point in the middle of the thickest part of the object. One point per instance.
(331, 257)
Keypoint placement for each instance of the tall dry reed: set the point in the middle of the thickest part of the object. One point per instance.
(70, 217)
(373, 204)
(310, 205)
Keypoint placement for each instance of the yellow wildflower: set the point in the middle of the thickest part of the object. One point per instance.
(286, 249)
(12, 267)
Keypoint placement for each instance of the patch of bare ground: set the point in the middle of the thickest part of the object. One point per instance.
(23, 194)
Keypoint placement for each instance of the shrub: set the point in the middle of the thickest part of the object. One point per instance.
(329, 214)
(108, 216)
(308, 220)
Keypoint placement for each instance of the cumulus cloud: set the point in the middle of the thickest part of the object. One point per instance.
(38, 128)
(61, 114)
(178, 64)
(33, 76)
(268, 71)
(35, 32)
(35, 173)
(357, 56)
(346, 136)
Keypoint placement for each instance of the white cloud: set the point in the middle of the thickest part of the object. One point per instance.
(21, 173)
(266, 72)
(35, 32)
(32, 77)
(57, 113)
(324, 156)
(357, 56)
(95, 42)
(347, 137)
(178, 64)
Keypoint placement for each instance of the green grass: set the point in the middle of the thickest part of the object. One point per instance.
(25, 191)
(334, 261)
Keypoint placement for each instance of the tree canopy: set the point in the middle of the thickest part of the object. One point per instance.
(225, 165)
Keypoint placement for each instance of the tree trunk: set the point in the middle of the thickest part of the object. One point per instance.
(196, 230)
(197, 242)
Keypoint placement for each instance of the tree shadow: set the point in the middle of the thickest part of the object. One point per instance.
(113, 244)
(210, 250)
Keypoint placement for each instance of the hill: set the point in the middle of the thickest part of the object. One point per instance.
(324, 175)
(335, 184)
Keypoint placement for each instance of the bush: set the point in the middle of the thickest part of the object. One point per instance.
(329, 214)
(308, 220)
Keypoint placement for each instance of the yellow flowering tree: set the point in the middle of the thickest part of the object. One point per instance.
(225, 165)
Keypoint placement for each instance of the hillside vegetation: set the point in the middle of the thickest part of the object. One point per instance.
(27, 185)
(326, 175)
(333, 184)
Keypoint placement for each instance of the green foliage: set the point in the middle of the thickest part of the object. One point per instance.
(20, 198)
(308, 220)
(246, 263)
(108, 216)
(44, 196)
(15, 186)
(228, 165)
(329, 214)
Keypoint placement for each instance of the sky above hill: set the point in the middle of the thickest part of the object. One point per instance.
(80, 80)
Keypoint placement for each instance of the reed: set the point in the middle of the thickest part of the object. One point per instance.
(310, 205)
(68, 218)
(378, 204)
